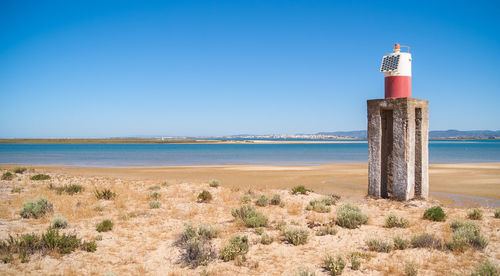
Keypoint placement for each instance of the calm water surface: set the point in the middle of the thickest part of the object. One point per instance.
(222, 154)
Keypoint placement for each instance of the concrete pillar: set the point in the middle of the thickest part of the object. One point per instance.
(398, 148)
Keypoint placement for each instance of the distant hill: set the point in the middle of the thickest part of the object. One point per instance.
(451, 133)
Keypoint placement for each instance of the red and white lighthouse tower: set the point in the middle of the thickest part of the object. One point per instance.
(397, 69)
(398, 133)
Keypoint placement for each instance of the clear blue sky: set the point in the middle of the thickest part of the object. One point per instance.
(127, 68)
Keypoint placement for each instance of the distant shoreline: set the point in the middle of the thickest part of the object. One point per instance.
(201, 141)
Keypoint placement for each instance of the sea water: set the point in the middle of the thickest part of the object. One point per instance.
(121, 155)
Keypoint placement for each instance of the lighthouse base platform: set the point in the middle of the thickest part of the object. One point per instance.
(398, 131)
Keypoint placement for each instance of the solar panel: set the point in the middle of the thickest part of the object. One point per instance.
(390, 63)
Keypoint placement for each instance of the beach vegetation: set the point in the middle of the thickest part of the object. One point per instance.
(69, 189)
(59, 222)
(304, 271)
(486, 268)
(266, 239)
(51, 241)
(154, 187)
(104, 226)
(262, 201)
(154, 204)
(275, 200)
(40, 177)
(334, 266)
(249, 216)
(322, 205)
(355, 263)
(394, 221)
(259, 230)
(300, 190)
(425, 240)
(350, 216)
(401, 243)
(214, 183)
(19, 170)
(497, 213)
(296, 235)
(37, 208)
(98, 208)
(7, 176)
(475, 214)
(465, 235)
(245, 199)
(105, 193)
(237, 246)
(379, 245)
(196, 248)
(16, 190)
(326, 230)
(204, 196)
(435, 213)
(410, 269)
(154, 195)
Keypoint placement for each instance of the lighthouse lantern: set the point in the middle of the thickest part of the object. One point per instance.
(397, 70)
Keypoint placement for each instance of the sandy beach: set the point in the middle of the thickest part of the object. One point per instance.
(143, 240)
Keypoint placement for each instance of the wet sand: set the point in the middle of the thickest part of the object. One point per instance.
(457, 185)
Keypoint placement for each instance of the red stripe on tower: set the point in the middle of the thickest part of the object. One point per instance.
(397, 69)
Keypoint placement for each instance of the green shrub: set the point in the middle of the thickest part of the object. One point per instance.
(7, 176)
(379, 245)
(59, 222)
(19, 170)
(214, 183)
(208, 232)
(466, 235)
(318, 206)
(276, 200)
(105, 226)
(259, 230)
(51, 240)
(393, 221)
(204, 196)
(326, 230)
(266, 239)
(237, 246)
(154, 204)
(349, 216)
(355, 263)
(475, 214)
(40, 177)
(334, 265)
(36, 208)
(262, 201)
(16, 190)
(154, 187)
(90, 246)
(401, 243)
(295, 235)
(245, 199)
(486, 268)
(69, 189)
(106, 194)
(410, 269)
(154, 195)
(304, 271)
(435, 213)
(300, 190)
(249, 216)
(497, 213)
(425, 240)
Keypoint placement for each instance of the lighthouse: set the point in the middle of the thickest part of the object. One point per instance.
(398, 128)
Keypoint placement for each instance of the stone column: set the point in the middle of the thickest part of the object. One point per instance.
(398, 148)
